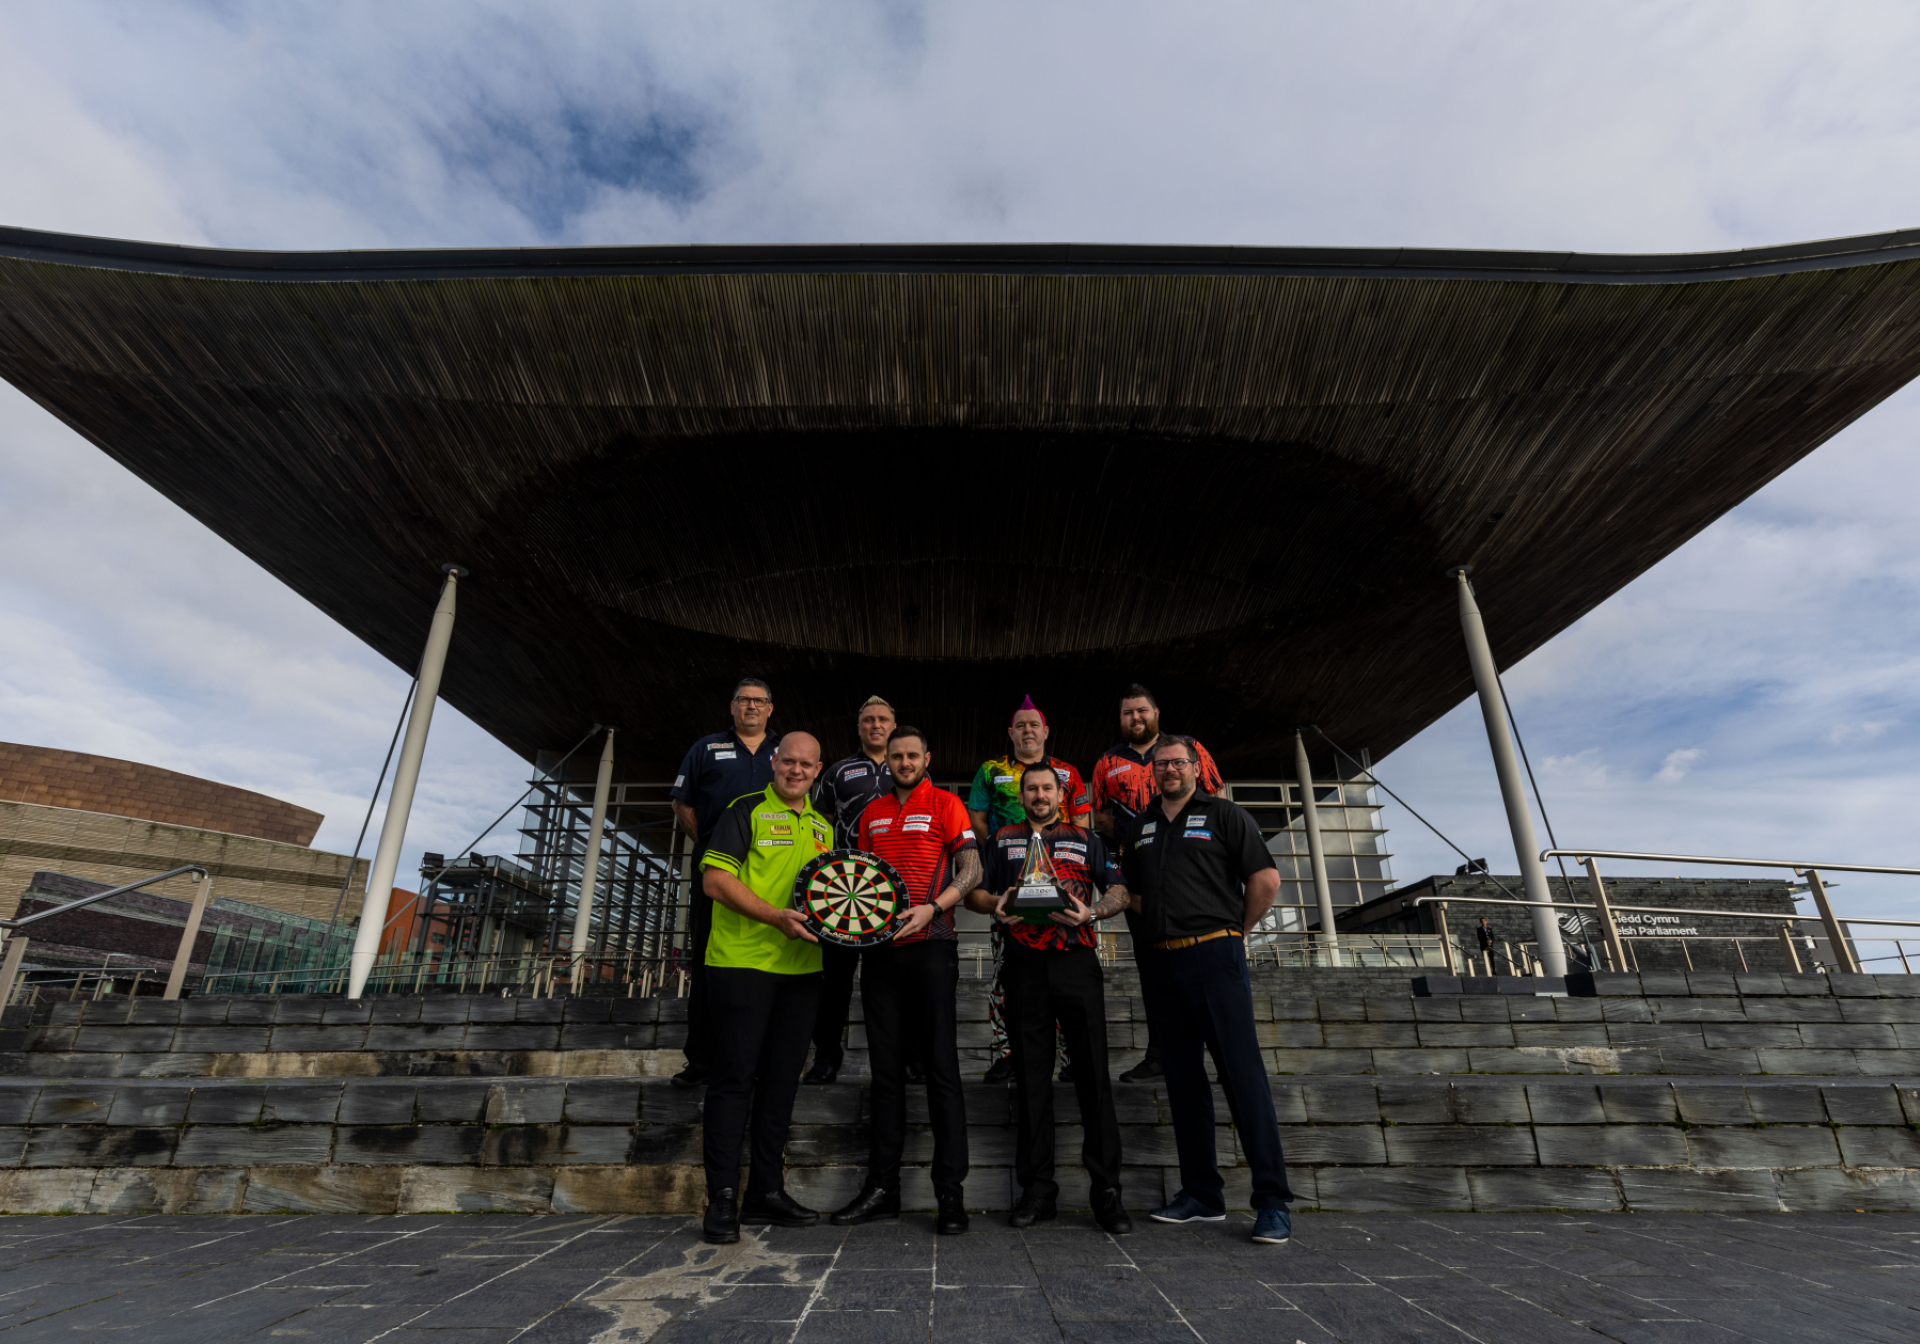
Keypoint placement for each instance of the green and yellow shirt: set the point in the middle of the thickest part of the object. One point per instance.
(765, 842)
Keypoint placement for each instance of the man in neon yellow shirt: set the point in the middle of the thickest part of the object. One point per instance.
(763, 989)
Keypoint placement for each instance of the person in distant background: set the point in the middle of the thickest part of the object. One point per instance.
(717, 769)
(1122, 788)
(844, 790)
(993, 802)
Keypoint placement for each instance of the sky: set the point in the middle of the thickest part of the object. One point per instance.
(1755, 694)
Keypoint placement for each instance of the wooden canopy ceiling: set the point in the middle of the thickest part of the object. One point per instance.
(955, 476)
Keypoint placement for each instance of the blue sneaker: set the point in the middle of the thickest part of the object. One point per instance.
(1186, 1209)
(1273, 1227)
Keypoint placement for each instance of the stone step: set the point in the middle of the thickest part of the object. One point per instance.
(632, 1145)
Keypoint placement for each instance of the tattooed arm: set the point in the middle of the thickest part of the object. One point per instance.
(1111, 902)
(966, 876)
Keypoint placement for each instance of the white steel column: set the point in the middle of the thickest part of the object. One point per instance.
(1316, 852)
(177, 977)
(406, 776)
(590, 868)
(1533, 873)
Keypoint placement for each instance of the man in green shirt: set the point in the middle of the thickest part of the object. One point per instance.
(763, 989)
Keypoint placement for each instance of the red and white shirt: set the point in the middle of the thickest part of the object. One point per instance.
(920, 838)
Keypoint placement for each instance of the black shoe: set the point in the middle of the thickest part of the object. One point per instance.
(1066, 1074)
(1146, 1070)
(1108, 1212)
(952, 1219)
(1034, 1207)
(689, 1077)
(820, 1073)
(870, 1204)
(917, 1074)
(778, 1209)
(1001, 1070)
(722, 1223)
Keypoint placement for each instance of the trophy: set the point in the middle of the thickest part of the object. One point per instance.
(1038, 894)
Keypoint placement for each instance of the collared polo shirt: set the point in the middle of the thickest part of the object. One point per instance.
(716, 770)
(845, 789)
(1191, 872)
(765, 842)
(1081, 865)
(1122, 781)
(996, 791)
(920, 838)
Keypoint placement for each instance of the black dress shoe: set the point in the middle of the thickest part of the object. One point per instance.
(1108, 1212)
(689, 1077)
(917, 1074)
(1001, 1071)
(1146, 1070)
(952, 1219)
(871, 1203)
(722, 1223)
(1034, 1207)
(820, 1073)
(1066, 1074)
(778, 1209)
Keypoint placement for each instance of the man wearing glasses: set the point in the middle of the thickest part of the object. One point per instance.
(1201, 878)
(715, 771)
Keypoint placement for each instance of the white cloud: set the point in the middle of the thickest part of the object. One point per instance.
(1675, 767)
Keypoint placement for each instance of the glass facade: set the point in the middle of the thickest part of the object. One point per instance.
(1359, 866)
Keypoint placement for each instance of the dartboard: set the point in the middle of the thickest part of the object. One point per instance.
(850, 897)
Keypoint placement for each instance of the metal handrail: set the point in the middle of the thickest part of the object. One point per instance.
(1798, 866)
(101, 896)
(1655, 910)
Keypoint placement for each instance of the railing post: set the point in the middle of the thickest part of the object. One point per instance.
(1506, 767)
(1604, 912)
(590, 867)
(406, 777)
(1842, 953)
(10, 969)
(177, 977)
(1446, 941)
(1316, 852)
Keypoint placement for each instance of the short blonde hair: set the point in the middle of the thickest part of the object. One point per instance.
(873, 700)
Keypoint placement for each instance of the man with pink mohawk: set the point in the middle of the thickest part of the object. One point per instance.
(994, 802)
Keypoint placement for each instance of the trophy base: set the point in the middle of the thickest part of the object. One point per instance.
(1032, 905)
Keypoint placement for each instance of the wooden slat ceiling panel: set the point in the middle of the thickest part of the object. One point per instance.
(958, 488)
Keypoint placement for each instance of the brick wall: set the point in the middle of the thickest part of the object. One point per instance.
(54, 778)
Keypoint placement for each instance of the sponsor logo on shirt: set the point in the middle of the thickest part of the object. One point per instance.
(1148, 829)
(1073, 846)
(912, 825)
(678, 780)
(780, 828)
(725, 755)
(854, 771)
(1003, 779)
(769, 841)
(967, 834)
(879, 824)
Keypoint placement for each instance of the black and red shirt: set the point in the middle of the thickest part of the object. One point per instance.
(1081, 864)
(920, 838)
(1122, 781)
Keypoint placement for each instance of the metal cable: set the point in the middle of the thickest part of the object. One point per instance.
(1366, 771)
(1565, 882)
(371, 803)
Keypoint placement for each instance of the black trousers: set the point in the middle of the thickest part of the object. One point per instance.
(908, 994)
(1065, 988)
(838, 965)
(760, 1023)
(699, 1046)
(1202, 996)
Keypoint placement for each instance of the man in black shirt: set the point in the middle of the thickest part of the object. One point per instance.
(844, 790)
(1202, 878)
(716, 770)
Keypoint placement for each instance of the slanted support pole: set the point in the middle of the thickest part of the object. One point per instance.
(1506, 765)
(1316, 852)
(1602, 911)
(10, 969)
(177, 977)
(406, 777)
(1446, 939)
(590, 867)
(1836, 936)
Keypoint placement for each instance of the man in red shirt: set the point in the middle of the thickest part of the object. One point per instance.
(908, 984)
(1122, 788)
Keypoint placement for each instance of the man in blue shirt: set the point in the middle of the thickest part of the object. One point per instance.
(716, 770)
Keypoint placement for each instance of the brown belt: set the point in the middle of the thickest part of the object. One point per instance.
(1175, 944)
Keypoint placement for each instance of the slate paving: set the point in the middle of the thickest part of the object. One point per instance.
(1358, 1278)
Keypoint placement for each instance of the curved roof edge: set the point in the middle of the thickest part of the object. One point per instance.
(1081, 259)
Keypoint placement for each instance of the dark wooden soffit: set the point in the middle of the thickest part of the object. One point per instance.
(955, 476)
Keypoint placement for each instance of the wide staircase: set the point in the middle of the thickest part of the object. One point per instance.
(1655, 1091)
